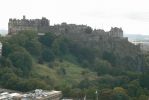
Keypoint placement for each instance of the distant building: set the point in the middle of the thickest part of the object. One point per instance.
(42, 26)
(86, 33)
(1, 49)
(38, 94)
(80, 33)
(37, 25)
(116, 32)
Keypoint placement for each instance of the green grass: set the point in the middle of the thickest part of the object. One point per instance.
(74, 73)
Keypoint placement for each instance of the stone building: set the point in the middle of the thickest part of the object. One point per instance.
(81, 33)
(1, 49)
(116, 32)
(84, 32)
(37, 25)
(69, 30)
(37, 94)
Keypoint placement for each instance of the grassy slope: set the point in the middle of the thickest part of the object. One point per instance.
(74, 73)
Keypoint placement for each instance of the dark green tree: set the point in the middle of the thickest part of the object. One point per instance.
(22, 61)
(47, 39)
(47, 55)
(144, 80)
(33, 47)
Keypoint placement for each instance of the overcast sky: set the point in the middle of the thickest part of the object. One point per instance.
(131, 15)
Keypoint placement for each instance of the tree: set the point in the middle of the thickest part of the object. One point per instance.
(88, 30)
(7, 49)
(144, 80)
(120, 90)
(47, 55)
(120, 96)
(84, 83)
(134, 88)
(62, 71)
(60, 46)
(106, 94)
(34, 47)
(5, 62)
(143, 97)
(110, 57)
(22, 37)
(47, 39)
(102, 67)
(21, 60)
(146, 62)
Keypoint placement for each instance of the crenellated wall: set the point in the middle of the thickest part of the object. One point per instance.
(72, 31)
(37, 25)
(85, 33)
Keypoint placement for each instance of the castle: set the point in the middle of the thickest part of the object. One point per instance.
(70, 30)
(37, 25)
(103, 41)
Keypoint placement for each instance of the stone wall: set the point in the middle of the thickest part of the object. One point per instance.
(37, 25)
(72, 31)
(85, 33)
(111, 41)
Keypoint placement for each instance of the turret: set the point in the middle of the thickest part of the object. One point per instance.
(116, 32)
(24, 17)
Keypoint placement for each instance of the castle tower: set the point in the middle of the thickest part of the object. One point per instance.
(116, 32)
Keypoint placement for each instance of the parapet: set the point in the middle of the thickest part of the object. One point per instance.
(38, 25)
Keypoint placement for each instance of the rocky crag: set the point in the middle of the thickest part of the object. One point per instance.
(112, 41)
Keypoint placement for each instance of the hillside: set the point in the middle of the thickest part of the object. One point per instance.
(58, 77)
(50, 61)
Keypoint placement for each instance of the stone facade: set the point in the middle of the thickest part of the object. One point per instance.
(81, 33)
(84, 32)
(116, 32)
(1, 49)
(74, 31)
(37, 94)
(37, 25)
(104, 41)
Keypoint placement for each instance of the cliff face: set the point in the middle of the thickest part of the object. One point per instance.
(124, 52)
(106, 42)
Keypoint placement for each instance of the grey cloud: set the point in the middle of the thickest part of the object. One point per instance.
(106, 14)
(139, 16)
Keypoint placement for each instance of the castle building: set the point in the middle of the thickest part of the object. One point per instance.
(37, 25)
(116, 32)
(72, 31)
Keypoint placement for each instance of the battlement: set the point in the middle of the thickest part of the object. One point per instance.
(80, 32)
(72, 31)
(37, 25)
(116, 32)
